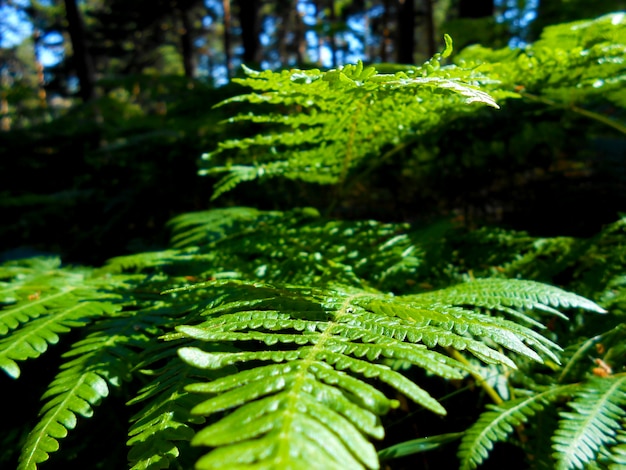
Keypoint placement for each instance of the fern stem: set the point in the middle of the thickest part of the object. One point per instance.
(480, 380)
(585, 112)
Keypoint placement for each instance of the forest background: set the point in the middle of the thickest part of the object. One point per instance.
(106, 108)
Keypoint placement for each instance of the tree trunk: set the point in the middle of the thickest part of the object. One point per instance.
(186, 44)
(405, 38)
(333, 40)
(249, 21)
(430, 27)
(318, 35)
(283, 13)
(476, 8)
(386, 35)
(299, 37)
(80, 55)
(227, 55)
(5, 118)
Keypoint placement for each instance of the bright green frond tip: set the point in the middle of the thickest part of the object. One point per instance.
(328, 124)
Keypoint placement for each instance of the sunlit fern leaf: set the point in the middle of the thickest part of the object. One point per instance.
(564, 65)
(330, 122)
(76, 393)
(599, 408)
(325, 349)
(497, 424)
(500, 294)
(102, 359)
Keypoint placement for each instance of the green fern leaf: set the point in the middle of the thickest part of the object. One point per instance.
(103, 359)
(336, 121)
(599, 407)
(32, 340)
(498, 293)
(164, 420)
(326, 344)
(74, 393)
(42, 301)
(498, 423)
(618, 452)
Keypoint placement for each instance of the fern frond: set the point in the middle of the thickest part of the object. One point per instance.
(44, 300)
(143, 261)
(599, 409)
(201, 228)
(497, 424)
(165, 417)
(103, 359)
(340, 119)
(327, 344)
(563, 66)
(500, 294)
(618, 452)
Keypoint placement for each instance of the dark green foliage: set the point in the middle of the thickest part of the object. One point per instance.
(96, 169)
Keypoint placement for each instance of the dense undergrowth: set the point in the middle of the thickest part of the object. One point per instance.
(288, 338)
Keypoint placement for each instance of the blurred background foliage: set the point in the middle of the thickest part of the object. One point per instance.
(106, 108)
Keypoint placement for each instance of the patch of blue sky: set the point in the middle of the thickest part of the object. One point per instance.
(15, 25)
(518, 15)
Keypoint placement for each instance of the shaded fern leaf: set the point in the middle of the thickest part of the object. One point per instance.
(102, 359)
(309, 390)
(200, 228)
(497, 424)
(164, 419)
(386, 256)
(599, 409)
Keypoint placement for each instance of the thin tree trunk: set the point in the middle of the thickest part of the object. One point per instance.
(386, 35)
(333, 40)
(82, 59)
(366, 35)
(227, 39)
(41, 90)
(299, 37)
(430, 26)
(405, 37)
(186, 44)
(476, 8)
(248, 19)
(283, 10)
(5, 119)
(318, 23)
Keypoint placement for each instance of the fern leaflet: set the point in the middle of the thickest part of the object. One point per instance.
(599, 410)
